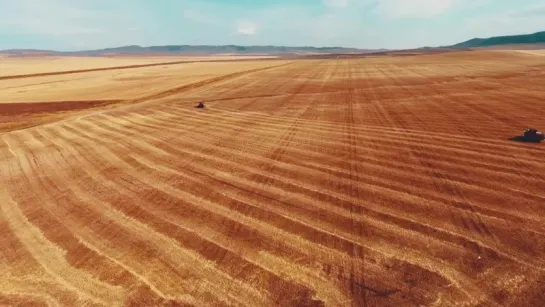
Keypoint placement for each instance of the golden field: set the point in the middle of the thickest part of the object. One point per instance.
(47, 64)
(384, 181)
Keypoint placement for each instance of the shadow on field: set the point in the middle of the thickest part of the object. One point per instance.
(521, 139)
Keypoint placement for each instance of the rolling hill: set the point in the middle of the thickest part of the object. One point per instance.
(198, 49)
(535, 38)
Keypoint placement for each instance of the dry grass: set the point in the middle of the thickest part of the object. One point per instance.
(533, 52)
(369, 182)
(45, 64)
(118, 84)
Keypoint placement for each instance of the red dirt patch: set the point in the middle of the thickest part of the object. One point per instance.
(18, 108)
(14, 116)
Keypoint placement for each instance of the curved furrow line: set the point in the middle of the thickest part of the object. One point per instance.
(90, 70)
(93, 242)
(189, 238)
(320, 227)
(454, 167)
(485, 90)
(444, 166)
(293, 71)
(520, 193)
(199, 235)
(475, 220)
(373, 100)
(501, 88)
(409, 111)
(515, 159)
(442, 110)
(36, 214)
(418, 185)
(458, 204)
(67, 128)
(379, 107)
(52, 259)
(492, 169)
(282, 139)
(68, 222)
(283, 180)
(96, 267)
(279, 144)
(472, 108)
(286, 104)
(381, 129)
(357, 228)
(20, 298)
(476, 153)
(311, 180)
(461, 179)
(482, 90)
(187, 87)
(26, 166)
(267, 96)
(228, 85)
(281, 85)
(154, 166)
(456, 277)
(67, 213)
(291, 149)
(471, 222)
(162, 253)
(22, 275)
(152, 99)
(240, 128)
(292, 227)
(316, 198)
(27, 141)
(30, 288)
(442, 152)
(483, 93)
(296, 68)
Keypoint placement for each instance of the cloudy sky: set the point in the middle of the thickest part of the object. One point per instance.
(93, 24)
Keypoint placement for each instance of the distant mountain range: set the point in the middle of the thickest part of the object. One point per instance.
(535, 38)
(526, 39)
(197, 50)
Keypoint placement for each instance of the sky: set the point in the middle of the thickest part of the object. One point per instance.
(67, 25)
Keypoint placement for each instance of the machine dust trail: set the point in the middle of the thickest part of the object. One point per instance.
(353, 182)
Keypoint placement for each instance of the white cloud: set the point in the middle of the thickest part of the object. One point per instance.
(531, 11)
(525, 20)
(246, 28)
(202, 13)
(55, 18)
(74, 24)
(394, 9)
(421, 9)
(335, 3)
(477, 3)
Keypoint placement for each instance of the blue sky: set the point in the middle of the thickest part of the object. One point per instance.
(93, 24)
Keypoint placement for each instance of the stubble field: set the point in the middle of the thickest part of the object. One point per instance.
(352, 182)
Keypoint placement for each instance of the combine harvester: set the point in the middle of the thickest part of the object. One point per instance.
(201, 105)
(532, 135)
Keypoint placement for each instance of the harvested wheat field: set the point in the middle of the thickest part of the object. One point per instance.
(384, 181)
(27, 65)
